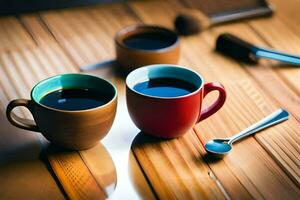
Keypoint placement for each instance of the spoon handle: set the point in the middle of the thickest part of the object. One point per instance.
(274, 118)
(276, 55)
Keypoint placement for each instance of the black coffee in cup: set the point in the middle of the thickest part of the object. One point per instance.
(165, 87)
(75, 99)
(149, 41)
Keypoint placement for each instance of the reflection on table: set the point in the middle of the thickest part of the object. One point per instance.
(87, 174)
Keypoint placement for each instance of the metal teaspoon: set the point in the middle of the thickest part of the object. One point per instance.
(222, 146)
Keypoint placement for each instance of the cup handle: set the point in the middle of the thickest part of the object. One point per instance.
(212, 109)
(26, 124)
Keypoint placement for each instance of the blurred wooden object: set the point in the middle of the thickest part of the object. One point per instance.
(265, 166)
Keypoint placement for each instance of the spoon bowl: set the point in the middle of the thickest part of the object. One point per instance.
(218, 146)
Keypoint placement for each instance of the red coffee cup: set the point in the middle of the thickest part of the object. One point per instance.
(170, 117)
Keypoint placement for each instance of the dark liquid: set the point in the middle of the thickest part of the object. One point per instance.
(74, 99)
(165, 87)
(149, 41)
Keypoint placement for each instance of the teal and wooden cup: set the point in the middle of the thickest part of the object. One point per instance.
(73, 129)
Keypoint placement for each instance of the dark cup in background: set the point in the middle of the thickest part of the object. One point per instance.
(141, 45)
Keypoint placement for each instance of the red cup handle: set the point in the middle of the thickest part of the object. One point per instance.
(209, 87)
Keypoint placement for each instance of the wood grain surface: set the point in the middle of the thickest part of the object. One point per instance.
(88, 174)
(263, 166)
(74, 176)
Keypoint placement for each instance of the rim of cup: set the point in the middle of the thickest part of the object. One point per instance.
(72, 111)
(142, 74)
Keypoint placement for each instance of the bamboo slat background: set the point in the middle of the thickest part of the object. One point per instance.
(265, 166)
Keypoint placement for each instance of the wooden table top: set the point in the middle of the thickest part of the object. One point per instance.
(263, 166)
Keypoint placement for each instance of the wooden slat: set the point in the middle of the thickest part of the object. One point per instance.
(283, 143)
(3, 100)
(88, 174)
(45, 39)
(102, 167)
(13, 35)
(16, 78)
(8, 89)
(74, 176)
(175, 169)
(88, 35)
(139, 180)
(74, 41)
(39, 32)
